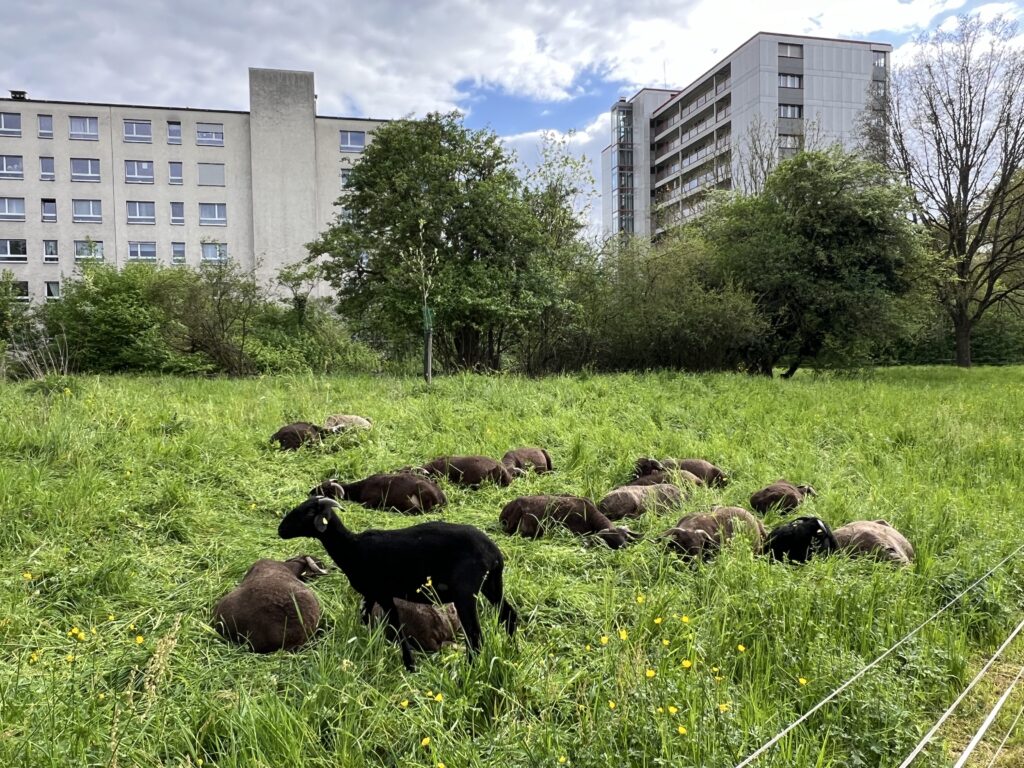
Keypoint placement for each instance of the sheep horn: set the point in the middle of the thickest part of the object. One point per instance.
(314, 566)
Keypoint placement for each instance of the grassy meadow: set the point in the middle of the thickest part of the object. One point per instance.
(129, 505)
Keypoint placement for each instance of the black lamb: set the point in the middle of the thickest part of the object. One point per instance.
(799, 540)
(430, 562)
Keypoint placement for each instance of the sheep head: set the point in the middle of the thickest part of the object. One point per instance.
(311, 518)
(646, 465)
(330, 488)
(691, 543)
(306, 567)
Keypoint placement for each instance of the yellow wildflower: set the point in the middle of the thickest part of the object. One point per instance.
(33, 657)
(252, 506)
(650, 673)
(439, 697)
(802, 681)
(27, 575)
(131, 626)
(604, 639)
(562, 760)
(611, 704)
(723, 707)
(687, 663)
(139, 640)
(658, 620)
(70, 657)
(93, 630)
(741, 648)
(661, 710)
(640, 599)
(685, 619)
(664, 641)
(672, 710)
(714, 669)
(102, 696)
(682, 730)
(441, 765)
(623, 634)
(404, 703)
(430, 693)
(718, 678)
(110, 617)
(425, 741)
(586, 647)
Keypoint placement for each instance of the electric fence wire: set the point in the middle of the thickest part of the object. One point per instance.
(983, 728)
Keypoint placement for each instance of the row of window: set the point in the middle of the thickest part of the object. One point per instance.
(135, 131)
(791, 110)
(16, 250)
(135, 171)
(791, 81)
(91, 211)
(20, 288)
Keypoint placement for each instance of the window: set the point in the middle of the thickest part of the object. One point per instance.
(210, 134)
(791, 110)
(353, 141)
(10, 124)
(174, 173)
(141, 212)
(46, 172)
(177, 253)
(791, 51)
(791, 81)
(789, 141)
(11, 167)
(210, 175)
(138, 132)
(879, 58)
(214, 214)
(87, 211)
(85, 169)
(138, 171)
(346, 174)
(174, 132)
(49, 209)
(50, 252)
(141, 251)
(20, 288)
(89, 249)
(13, 250)
(877, 89)
(52, 289)
(215, 251)
(177, 213)
(46, 126)
(12, 208)
(85, 128)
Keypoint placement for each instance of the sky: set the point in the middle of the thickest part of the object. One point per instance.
(518, 67)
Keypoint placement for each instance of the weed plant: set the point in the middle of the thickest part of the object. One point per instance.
(129, 505)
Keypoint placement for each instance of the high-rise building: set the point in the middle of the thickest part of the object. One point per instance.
(126, 183)
(766, 100)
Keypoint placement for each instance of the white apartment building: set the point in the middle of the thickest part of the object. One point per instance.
(126, 183)
(668, 147)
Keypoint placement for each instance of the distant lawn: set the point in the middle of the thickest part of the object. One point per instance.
(129, 505)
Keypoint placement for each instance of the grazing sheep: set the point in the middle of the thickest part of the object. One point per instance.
(342, 422)
(519, 461)
(874, 538)
(702, 535)
(782, 494)
(634, 500)
(672, 476)
(405, 492)
(528, 515)
(427, 627)
(271, 609)
(443, 561)
(799, 540)
(468, 470)
(705, 470)
(291, 436)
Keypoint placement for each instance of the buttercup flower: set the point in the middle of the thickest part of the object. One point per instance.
(802, 681)
(658, 620)
(404, 703)
(650, 673)
(562, 760)
(685, 619)
(682, 730)
(623, 634)
(439, 697)
(27, 575)
(611, 704)
(425, 741)
(741, 648)
(687, 663)
(664, 641)
(723, 707)
(672, 710)
(640, 599)
(660, 710)
(139, 640)
(604, 639)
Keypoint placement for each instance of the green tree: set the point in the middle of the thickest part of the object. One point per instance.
(828, 251)
(431, 187)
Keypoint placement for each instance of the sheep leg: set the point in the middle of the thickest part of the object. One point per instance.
(387, 604)
(465, 607)
(364, 611)
(493, 589)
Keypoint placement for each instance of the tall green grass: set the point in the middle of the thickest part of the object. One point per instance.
(129, 505)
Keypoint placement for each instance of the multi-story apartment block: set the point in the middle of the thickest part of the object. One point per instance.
(125, 183)
(770, 95)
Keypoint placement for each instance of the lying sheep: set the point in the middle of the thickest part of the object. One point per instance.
(292, 436)
(671, 476)
(343, 422)
(875, 538)
(519, 461)
(702, 535)
(271, 609)
(426, 627)
(404, 492)
(443, 561)
(635, 500)
(705, 470)
(468, 470)
(529, 515)
(799, 540)
(782, 495)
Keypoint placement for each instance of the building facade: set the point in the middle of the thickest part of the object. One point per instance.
(124, 183)
(766, 100)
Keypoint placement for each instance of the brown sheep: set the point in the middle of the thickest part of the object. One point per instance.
(521, 460)
(634, 500)
(271, 609)
(427, 627)
(342, 422)
(702, 535)
(705, 470)
(673, 476)
(292, 436)
(782, 494)
(529, 516)
(405, 492)
(874, 538)
(468, 470)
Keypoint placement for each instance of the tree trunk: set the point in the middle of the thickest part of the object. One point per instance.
(792, 369)
(428, 354)
(962, 328)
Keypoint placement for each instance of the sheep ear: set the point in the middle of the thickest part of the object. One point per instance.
(320, 523)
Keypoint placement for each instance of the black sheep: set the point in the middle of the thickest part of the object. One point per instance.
(799, 540)
(292, 436)
(434, 561)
